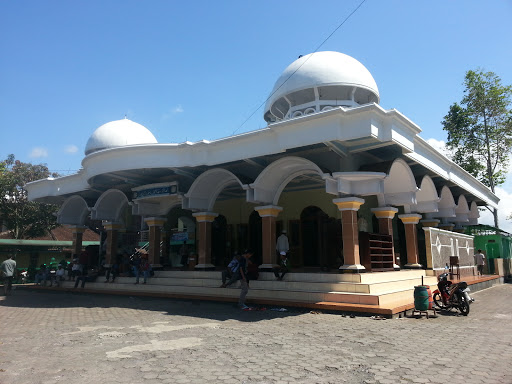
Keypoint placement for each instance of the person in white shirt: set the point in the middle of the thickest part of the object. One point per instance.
(282, 244)
(59, 275)
(480, 262)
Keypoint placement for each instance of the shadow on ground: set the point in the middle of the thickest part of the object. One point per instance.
(24, 297)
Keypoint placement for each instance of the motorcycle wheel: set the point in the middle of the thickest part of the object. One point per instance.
(463, 306)
(438, 300)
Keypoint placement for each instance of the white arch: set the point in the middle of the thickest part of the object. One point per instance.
(462, 210)
(474, 214)
(269, 185)
(426, 198)
(110, 206)
(446, 204)
(73, 211)
(400, 186)
(204, 191)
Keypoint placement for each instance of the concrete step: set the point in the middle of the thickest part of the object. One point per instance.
(366, 278)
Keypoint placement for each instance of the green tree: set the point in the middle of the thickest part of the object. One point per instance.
(23, 218)
(480, 129)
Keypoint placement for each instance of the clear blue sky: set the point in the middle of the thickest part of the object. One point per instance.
(197, 70)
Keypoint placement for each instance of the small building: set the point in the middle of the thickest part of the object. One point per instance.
(49, 249)
(494, 243)
(353, 184)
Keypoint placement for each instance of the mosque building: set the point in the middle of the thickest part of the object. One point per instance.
(354, 185)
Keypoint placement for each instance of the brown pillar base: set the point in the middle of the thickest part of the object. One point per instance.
(413, 266)
(352, 268)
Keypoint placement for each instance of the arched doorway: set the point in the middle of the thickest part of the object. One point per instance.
(320, 239)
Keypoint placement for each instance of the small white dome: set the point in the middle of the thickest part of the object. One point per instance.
(117, 134)
(320, 80)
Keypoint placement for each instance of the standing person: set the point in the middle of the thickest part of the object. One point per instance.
(244, 282)
(76, 269)
(184, 255)
(231, 270)
(83, 260)
(8, 269)
(480, 262)
(283, 267)
(282, 244)
(144, 268)
(114, 270)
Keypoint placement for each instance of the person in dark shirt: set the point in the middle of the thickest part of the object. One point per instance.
(114, 270)
(231, 271)
(91, 275)
(244, 282)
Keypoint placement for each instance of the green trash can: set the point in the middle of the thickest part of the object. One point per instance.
(422, 298)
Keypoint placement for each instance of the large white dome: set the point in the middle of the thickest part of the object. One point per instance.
(117, 134)
(320, 81)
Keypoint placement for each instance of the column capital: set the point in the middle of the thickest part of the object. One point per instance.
(268, 210)
(410, 218)
(348, 203)
(384, 212)
(112, 226)
(155, 221)
(430, 223)
(446, 226)
(207, 217)
(77, 228)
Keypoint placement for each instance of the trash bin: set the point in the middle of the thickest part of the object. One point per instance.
(192, 262)
(423, 298)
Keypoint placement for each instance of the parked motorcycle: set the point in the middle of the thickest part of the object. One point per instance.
(452, 295)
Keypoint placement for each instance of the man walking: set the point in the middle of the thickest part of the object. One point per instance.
(8, 269)
(244, 282)
(480, 262)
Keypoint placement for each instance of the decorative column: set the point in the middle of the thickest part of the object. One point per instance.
(155, 224)
(348, 207)
(112, 236)
(430, 223)
(204, 241)
(385, 217)
(411, 238)
(78, 233)
(268, 214)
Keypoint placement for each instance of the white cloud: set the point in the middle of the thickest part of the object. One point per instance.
(71, 149)
(39, 152)
(178, 109)
(173, 111)
(439, 146)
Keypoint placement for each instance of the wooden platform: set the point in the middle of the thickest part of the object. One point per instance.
(382, 293)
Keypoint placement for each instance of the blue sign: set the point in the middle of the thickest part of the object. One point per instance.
(180, 236)
(154, 192)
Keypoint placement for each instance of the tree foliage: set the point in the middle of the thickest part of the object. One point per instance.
(23, 218)
(480, 129)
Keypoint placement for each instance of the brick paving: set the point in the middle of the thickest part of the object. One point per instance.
(58, 337)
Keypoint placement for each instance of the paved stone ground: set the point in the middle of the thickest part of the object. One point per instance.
(83, 338)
